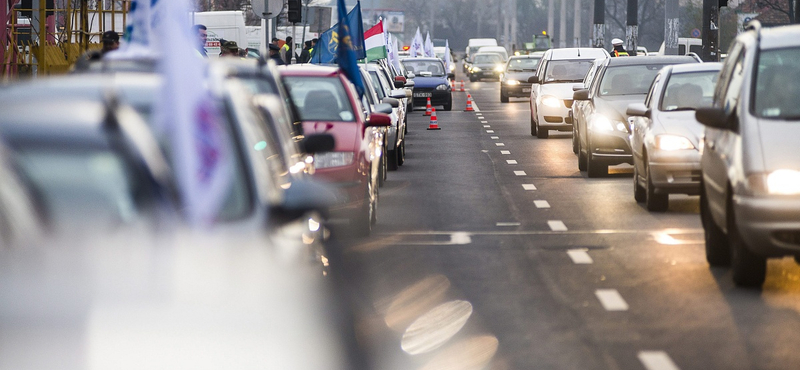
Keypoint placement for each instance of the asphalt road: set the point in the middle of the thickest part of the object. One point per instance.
(492, 251)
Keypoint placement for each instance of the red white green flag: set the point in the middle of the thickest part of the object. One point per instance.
(375, 42)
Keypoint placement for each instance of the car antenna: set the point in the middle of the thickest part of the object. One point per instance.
(579, 52)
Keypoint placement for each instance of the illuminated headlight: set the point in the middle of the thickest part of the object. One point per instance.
(602, 123)
(673, 142)
(313, 225)
(333, 159)
(511, 82)
(298, 167)
(452, 67)
(476, 69)
(784, 182)
(442, 87)
(551, 101)
(498, 68)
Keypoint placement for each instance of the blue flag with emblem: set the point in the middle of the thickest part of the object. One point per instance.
(325, 52)
(351, 40)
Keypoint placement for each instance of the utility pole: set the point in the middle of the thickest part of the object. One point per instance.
(710, 31)
(514, 24)
(550, 16)
(598, 32)
(562, 25)
(671, 27)
(632, 31)
(576, 28)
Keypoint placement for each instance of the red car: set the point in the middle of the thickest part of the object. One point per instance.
(328, 103)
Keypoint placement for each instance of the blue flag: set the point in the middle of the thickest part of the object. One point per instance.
(350, 40)
(325, 52)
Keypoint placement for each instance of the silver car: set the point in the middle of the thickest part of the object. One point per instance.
(665, 134)
(750, 195)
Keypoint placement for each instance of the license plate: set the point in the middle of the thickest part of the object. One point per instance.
(526, 90)
(422, 94)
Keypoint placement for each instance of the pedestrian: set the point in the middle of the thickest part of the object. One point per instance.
(274, 54)
(202, 38)
(288, 50)
(110, 41)
(228, 48)
(305, 55)
(618, 50)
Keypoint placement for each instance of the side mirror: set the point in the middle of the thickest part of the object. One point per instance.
(397, 94)
(385, 108)
(379, 119)
(533, 79)
(638, 110)
(392, 101)
(410, 84)
(317, 143)
(582, 94)
(410, 75)
(303, 196)
(712, 117)
(577, 87)
(400, 81)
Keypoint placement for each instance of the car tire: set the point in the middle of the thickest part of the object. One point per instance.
(718, 250)
(361, 224)
(639, 192)
(401, 155)
(542, 133)
(582, 161)
(472, 79)
(503, 97)
(533, 127)
(449, 105)
(654, 202)
(391, 159)
(574, 138)
(594, 168)
(748, 269)
(382, 173)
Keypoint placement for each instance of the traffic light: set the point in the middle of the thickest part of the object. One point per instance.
(295, 14)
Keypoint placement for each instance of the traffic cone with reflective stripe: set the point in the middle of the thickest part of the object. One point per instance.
(428, 108)
(469, 104)
(434, 125)
(452, 85)
(462, 86)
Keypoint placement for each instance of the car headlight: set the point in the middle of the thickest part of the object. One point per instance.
(333, 159)
(511, 82)
(600, 122)
(778, 182)
(476, 69)
(443, 87)
(673, 142)
(452, 67)
(498, 68)
(551, 101)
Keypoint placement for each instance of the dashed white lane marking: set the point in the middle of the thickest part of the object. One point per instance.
(505, 152)
(486, 126)
(508, 224)
(611, 300)
(489, 131)
(580, 257)
(528, 187)
(657, 360)
(541, 204)
(511, 161)
(557, 225)
(484, 121)
(499, 144)
(495, 137)
(520, 173)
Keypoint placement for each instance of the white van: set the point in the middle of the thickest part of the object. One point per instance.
(228, 25)
(500, 50)
(472, 49)
(686, 45)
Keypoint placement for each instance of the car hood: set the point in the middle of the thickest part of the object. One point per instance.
(344, 133)
(519, 76)
(778, 140)
(680, 123)
(559, 90)
(615, 106)
(429, 82)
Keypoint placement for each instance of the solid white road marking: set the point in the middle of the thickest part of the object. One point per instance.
(460, 238)
(557, 225)
(520, 173)
(528, 186)
(511, 161)
(489, 131)
(499, 144)
(580, 257)
(495, 137)
(508, 224)
(541, 204)
(657, 360)
(505, 152)
(611, 300)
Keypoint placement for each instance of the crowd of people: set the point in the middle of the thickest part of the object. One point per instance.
(282, 52)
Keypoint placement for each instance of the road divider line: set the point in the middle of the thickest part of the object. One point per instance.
(541, 204)
(484, 121)
(495, 137)
(611, 300)
(507, 224)
(520, 173)
(486, 126)
(499, 144)
(580, 257)
(505, 152)
(557, 225)
(511, 161)
(657, 360)
(489, 131)
(528, 187)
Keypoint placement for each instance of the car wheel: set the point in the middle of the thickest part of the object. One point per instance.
(363, 221)
(574, 138)
(718, 251)
(654, 202)
(533, 127)
(449, 105)
(594, 168)
(382, 172)
(639, 193)
(582, 162)
(749, 270)
(503, 97)
(472, 79)
(392, 159)
(401, 155)
(542, 133)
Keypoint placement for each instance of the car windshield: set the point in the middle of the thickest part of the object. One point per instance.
(320, 98)
(376, 82)
(689, 91)
(487, 59)
(566, 70)
(435, 67)
(776, 89)
(629, 80)
(522, 64)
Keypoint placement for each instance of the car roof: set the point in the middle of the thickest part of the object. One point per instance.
(308, 70)
(696, 67)
(63, 120)
(428, 59)
(525, 57)
(780, 37)
(576, 53)
(635, 61)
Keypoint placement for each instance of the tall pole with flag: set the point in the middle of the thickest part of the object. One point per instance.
(428, 46)
(448, 63)
(416, 45)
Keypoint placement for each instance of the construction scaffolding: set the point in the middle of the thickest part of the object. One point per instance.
(42, 37)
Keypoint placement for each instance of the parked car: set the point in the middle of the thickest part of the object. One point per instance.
(750, 192)
(329, 103)
(603, 123)
(373, 103)
(578, 105)
(551, 89)
(395, 135)
(486, 65)
(666, 136)
(514, 79)
(430, 81)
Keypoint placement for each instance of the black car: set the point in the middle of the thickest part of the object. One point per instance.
(514, 80)
(486, 65)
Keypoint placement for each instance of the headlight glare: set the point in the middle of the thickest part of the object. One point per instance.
(673, 142)
(601, 123)
(512, 82)
(333, 159)
(784, 182)
(498, 68)
(476, 69)
(551, 101)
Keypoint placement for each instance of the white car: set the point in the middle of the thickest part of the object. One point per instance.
(551, 89)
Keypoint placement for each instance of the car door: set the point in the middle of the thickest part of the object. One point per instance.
(719, 144)
(579, 106)
(589, 108)
(641, 125)
(535, 88)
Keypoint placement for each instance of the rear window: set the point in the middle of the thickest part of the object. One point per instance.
(320, 98)
(494, 58)
(629, 80)
(566, 70)
(776, 88)
(689, 91)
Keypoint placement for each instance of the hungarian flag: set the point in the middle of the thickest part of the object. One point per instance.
(375, 42)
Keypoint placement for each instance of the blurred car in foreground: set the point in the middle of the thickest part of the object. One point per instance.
(514, 80)
(328, 103)
(22, 221)
(430, 81)
(666, 136)
(750, 193)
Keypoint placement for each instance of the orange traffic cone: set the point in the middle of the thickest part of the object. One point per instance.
(428, 108)
(469, 104)
(434, 124)
(452, 85)
(462, 86)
